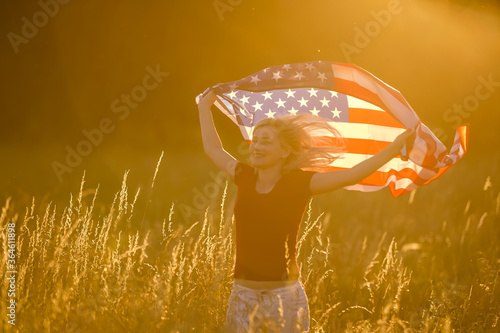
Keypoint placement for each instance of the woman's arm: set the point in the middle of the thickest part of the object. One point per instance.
(329, 181)
(211, 141)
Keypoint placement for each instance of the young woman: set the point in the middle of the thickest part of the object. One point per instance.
(272, 196)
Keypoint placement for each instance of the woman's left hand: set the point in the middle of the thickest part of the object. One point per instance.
(207, 100)
(406, 137)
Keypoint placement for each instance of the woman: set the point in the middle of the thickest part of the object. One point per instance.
(272, 196)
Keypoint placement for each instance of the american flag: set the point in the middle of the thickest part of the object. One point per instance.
(368, 113)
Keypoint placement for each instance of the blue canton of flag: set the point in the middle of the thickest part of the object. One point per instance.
(280, 90)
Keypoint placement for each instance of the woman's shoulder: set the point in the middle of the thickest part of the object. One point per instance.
(297, 181)
(301, 172)
(243, 166)
(243, 170)
(298, 175)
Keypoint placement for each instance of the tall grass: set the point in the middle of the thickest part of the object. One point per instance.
(95, 267)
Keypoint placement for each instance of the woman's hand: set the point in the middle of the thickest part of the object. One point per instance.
(207, 101)
(406, 137)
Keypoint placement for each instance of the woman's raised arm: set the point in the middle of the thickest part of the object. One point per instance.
(211, 141)
(329, 181)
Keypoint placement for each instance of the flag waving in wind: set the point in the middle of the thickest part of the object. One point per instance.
(368, 113)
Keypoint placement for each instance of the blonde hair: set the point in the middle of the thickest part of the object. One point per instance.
(297, 132)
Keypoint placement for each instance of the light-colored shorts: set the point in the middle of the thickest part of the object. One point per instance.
(283, 309)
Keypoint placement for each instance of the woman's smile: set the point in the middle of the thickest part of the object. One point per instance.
(265, 149)
(257, 158)
(256, 155)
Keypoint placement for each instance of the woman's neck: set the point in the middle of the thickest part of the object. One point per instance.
(267, 178)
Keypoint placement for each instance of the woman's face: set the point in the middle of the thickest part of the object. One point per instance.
(266, 149)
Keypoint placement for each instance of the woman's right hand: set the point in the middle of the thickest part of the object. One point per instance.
(207, 101)
(406, 137)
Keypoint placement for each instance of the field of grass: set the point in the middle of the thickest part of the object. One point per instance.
(426, 262)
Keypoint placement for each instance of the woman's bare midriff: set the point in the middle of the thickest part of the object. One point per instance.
(264, 284)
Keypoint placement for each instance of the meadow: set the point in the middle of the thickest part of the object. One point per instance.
(428, 261)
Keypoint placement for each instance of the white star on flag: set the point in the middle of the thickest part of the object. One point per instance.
(321, 76)
(336, 113)
(325, 102)
(257, 106)
(280, 103)
(277, 76)
(314, 111)
(303, 102)
(267, 95)
(270, 114)
(244, 99)
(312, 92)
(309, 66)
(290, 93)
(299, 76)
(255, 79)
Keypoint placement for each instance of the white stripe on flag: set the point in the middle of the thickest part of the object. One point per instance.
(364, 188)
(367, 131)
(360, 104)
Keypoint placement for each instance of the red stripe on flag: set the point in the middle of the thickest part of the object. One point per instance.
(355, 146)
(372, 117)
(463, 130)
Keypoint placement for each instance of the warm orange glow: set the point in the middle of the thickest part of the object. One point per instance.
(105, 87)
